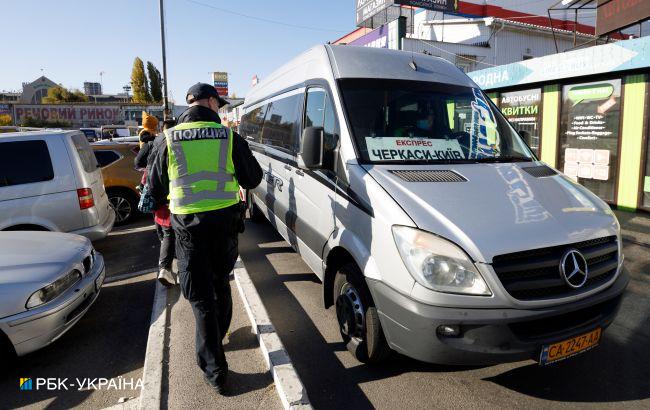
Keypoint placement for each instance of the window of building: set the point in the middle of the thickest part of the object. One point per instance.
(280, 127)
(106, 158)
(319, 112)
(24, 162)
(85, 153)
(589, 136)
(523, 110)
(527, 57)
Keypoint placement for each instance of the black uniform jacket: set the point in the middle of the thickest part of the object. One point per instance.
(247, 169)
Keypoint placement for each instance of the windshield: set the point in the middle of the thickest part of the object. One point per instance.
(423, 122)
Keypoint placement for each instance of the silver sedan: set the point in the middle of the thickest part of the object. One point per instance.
(48, 281)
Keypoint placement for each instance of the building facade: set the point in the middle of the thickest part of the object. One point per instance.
(92, 88)
(584, 112)
(34, 92)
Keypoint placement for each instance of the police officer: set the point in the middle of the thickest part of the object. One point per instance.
(201, 168)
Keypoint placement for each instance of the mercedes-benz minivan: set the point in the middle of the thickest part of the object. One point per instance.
(435, 230)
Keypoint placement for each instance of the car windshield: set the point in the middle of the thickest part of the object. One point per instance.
(424, 122)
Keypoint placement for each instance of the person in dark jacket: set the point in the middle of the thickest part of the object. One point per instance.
(206, 221)
(162, 217)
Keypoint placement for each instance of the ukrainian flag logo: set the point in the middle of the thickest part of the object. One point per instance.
(26, 383)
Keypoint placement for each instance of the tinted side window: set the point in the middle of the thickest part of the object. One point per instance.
(319, 112)
(281, 124)
(105, 158)
(252, 122)
(85, 153)
(24, 162)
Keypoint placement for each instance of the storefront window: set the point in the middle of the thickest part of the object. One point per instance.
(589, 136)
(523, 109)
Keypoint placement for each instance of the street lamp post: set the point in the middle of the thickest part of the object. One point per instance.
(164, 61)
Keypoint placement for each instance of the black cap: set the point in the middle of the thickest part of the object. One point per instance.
(201, 91)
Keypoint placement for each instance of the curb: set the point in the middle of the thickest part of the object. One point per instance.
(289, 386)
(151, 394)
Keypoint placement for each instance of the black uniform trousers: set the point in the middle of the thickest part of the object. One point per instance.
(167, 239)
(206, 251)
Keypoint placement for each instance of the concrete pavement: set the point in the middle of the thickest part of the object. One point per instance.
(250, 384)
(635, 226)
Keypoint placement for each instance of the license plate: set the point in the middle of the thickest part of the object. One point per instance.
(568, 348)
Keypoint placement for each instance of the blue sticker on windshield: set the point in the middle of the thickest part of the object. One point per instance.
(484, 137)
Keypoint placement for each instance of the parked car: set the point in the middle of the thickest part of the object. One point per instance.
(92, 134)
(114, 131)
(435, 230)
(50, 180)
(120, 177)
(12, 128)
(48, 281)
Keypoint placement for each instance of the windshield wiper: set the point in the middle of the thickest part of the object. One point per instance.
(505, 158)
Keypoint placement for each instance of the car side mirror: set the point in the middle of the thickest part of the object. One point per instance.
(311, 152)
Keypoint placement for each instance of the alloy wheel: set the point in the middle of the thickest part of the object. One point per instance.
(122, 208)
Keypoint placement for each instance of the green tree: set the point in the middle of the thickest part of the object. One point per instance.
(139, 82)
(155, 82)
(36, 122)
(60, 94)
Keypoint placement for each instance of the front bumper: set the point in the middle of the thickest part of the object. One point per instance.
(99, 231)
(34, 329)
(488, 336)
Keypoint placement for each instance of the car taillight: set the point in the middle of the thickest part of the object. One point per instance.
(86, 199)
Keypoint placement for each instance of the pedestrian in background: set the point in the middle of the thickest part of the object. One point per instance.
(149, 128)
(201, 167)
(161, 214)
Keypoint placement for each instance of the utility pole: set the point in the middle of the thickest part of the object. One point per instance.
(164, 62)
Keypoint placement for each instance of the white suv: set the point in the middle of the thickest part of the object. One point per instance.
(50, 180)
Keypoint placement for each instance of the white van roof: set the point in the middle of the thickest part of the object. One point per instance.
(339, 61)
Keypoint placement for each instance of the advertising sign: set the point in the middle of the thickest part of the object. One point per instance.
(589, 136)
(613, 15)
(220, 82)
(76, 115)
(5, 111)
(522, 109)
(619, 56)
(449, 6)
(368, 8)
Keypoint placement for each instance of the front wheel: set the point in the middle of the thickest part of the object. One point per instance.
(358, 318)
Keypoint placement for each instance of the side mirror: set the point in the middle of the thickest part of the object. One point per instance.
(311, 152)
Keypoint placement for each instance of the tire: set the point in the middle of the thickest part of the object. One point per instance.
(7, 354)
(124, 203)
(254, 212)
(358, 318)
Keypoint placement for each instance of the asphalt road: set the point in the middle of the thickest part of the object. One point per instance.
(617, 373)
(108, 342)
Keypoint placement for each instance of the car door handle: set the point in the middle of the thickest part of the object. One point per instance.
(299, 172)
(288, 167)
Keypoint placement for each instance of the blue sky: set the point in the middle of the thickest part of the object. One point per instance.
(73, 40)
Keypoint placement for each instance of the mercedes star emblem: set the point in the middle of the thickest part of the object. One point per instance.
(573, 268)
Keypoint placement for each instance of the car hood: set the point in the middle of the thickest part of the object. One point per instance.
(31, 260)
(501, 208)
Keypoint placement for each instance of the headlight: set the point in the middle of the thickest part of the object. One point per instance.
(437, 263)
(53, 290)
